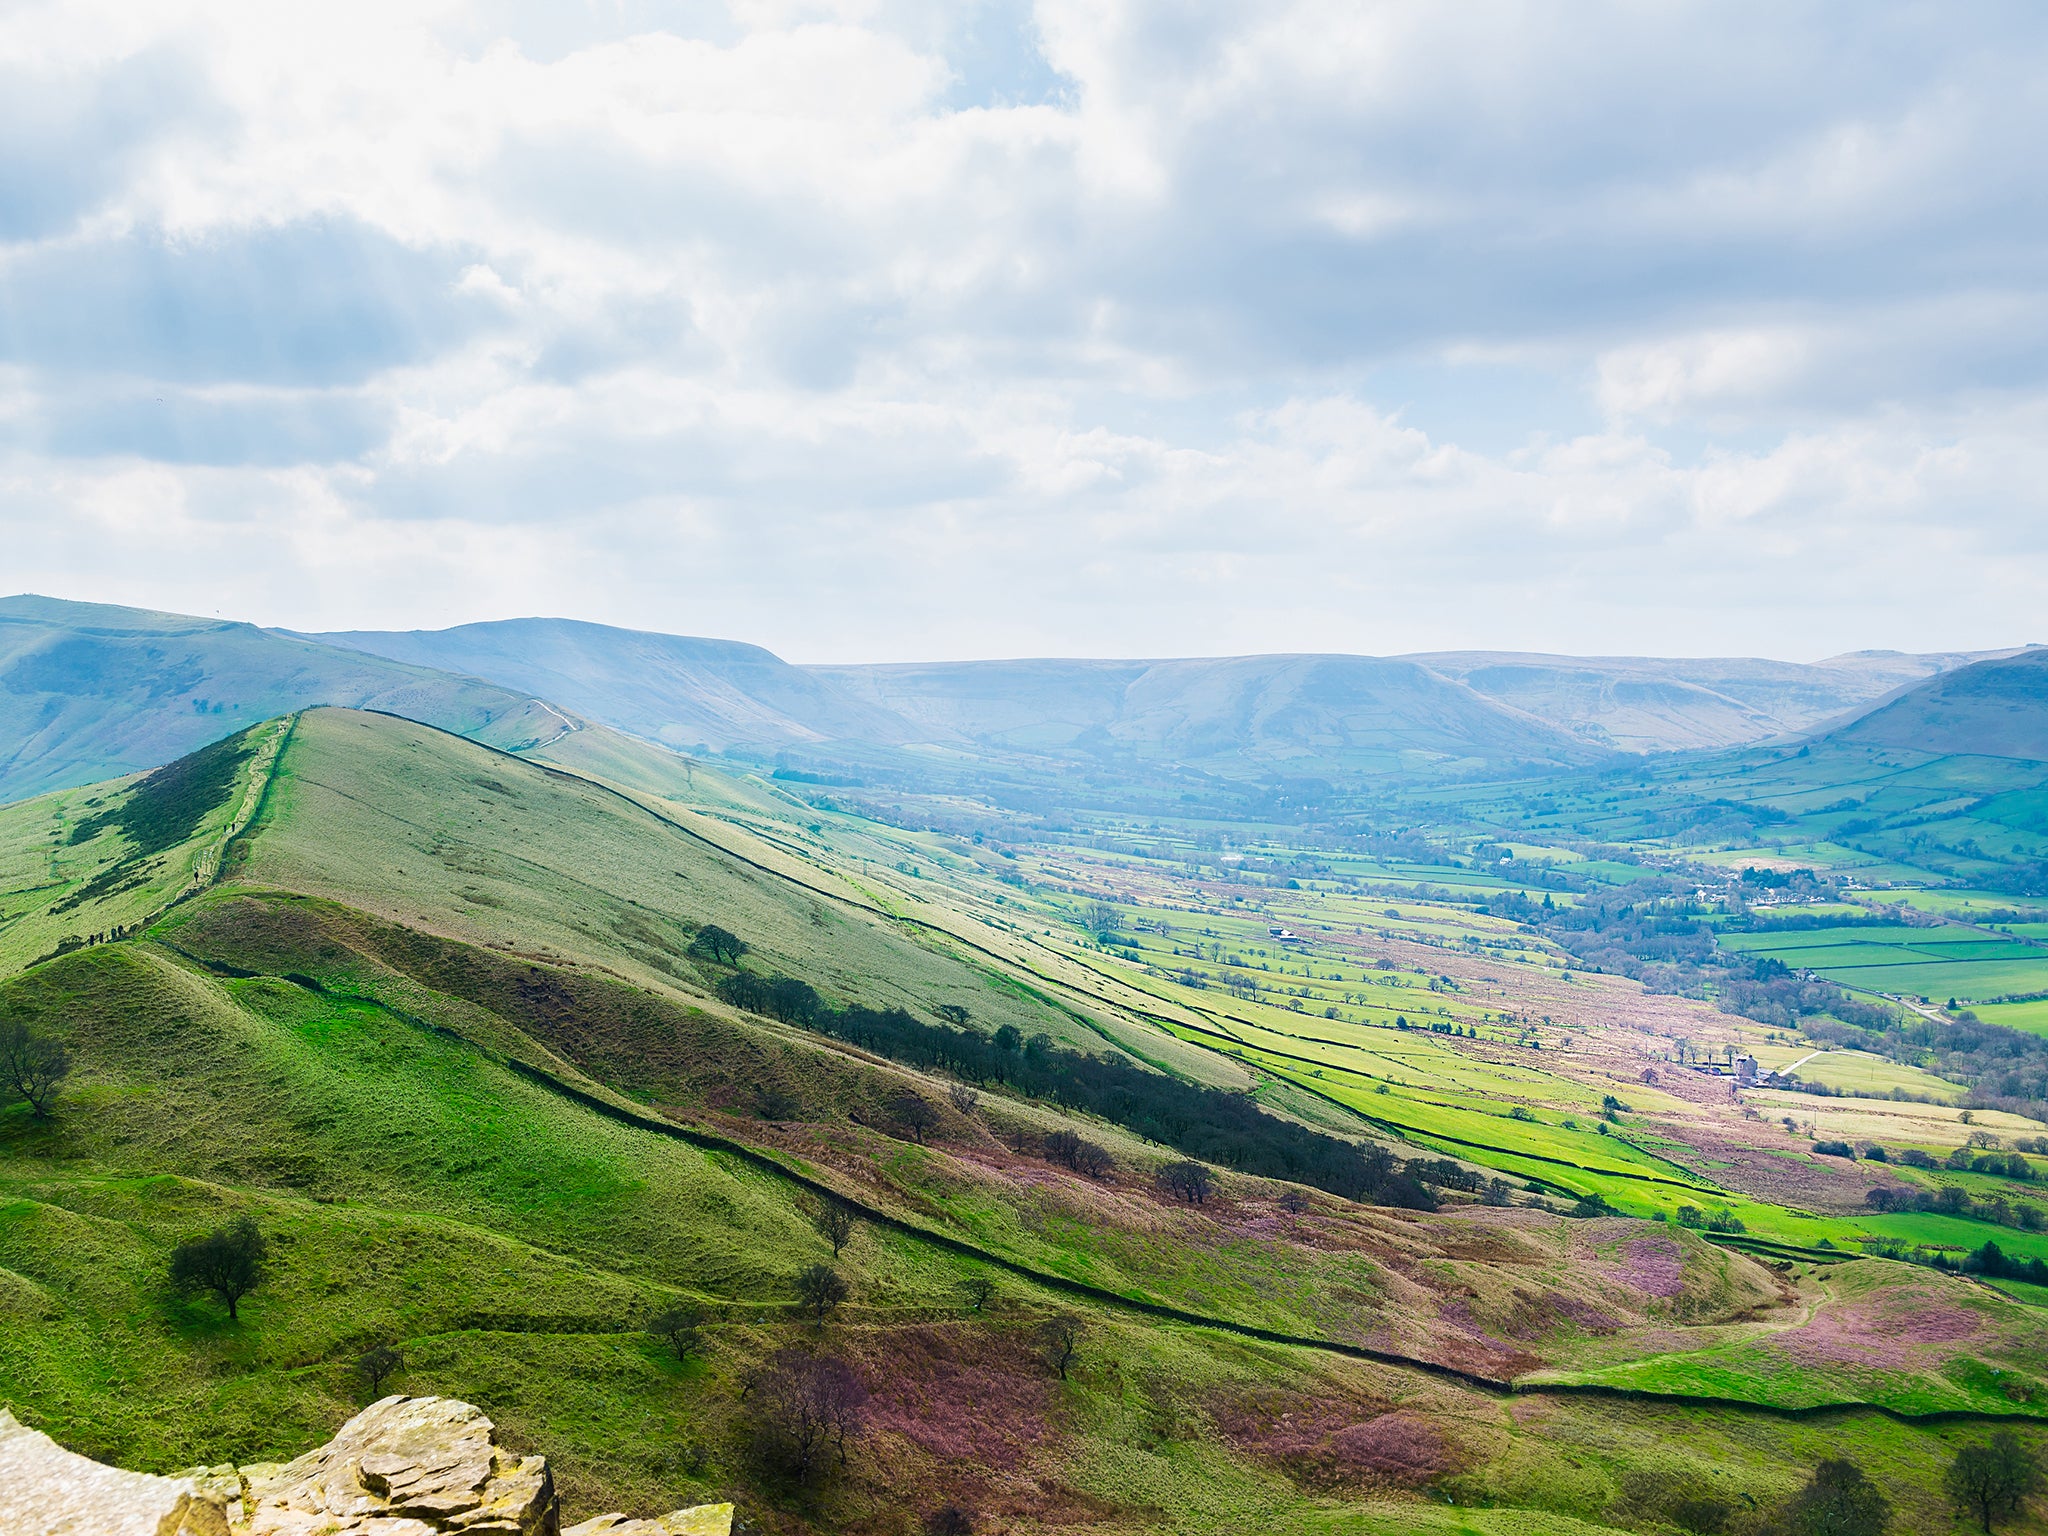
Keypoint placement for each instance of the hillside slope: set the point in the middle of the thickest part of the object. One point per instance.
(1996, 708)
(437, 1029)
(88, 691)
(685, 692)
(1664, 704)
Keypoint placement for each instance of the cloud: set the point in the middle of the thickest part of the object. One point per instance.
(892, 327)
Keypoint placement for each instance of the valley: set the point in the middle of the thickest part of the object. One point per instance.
(1535, 1139)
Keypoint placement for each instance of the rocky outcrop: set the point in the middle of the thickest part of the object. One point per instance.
(46, 1490)
(406, 1466)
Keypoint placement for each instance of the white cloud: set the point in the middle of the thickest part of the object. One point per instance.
(875, 329)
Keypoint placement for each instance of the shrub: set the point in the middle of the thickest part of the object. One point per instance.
(1835, 1149)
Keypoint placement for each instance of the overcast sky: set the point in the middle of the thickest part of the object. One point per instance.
(872, 331)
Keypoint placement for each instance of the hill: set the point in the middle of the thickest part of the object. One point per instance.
(1996, 708)
(434, 1017)
(88, 691)
(1302, 715)
(686, 693)
(1342, 718)
(1666, 704)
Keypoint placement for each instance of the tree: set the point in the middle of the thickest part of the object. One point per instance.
(1189, 1181)
(1060, 1147)
(835, 1223)
(1293, 1201)
(804, 1406)
(375, 1364)
(715, 944)
(1009, 1038)
(951, 1520)
(1092, 1161)
(1838, 1501)
(32, 1066)
(914, 1112)
(1060, 1337)
(953, 1014)
(978, 1291)
(682, 1327)
(228, 1262)
(964, 1098)
(820, 1288)
(1103, 920)
(1992, 1481)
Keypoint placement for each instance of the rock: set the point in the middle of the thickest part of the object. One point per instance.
(406, 1466)
(702, 1520)
(46, 1490)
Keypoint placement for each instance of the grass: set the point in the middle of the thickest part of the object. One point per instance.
(414, 913)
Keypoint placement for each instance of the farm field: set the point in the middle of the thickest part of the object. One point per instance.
(1935, 963)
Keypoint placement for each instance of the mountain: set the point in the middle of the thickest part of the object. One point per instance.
(1322, 716)
(1996, 708)
(89, 691)
(683, 692)
(1665, 704)
(1235, 716)
(1337, 716)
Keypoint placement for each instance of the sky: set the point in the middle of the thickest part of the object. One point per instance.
(968, 328)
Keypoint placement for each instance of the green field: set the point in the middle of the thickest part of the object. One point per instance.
(1936, 963)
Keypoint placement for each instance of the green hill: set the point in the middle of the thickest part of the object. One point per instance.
(1992, 709)
(429, 1015)
(89, 692)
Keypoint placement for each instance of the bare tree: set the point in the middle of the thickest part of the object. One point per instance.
(835, 1223)
(953, 1014)
(375, 1364)
(682, 1327)
(1060, 1337)
(229, 1262)
(32, 1066)
(820, 1288)
(805, 1407)
(1293, 1201)
(964, 1098)
(914, 1112)
(1060, 1147)
(978, 1291)
(1092, 1161)
(1190, 1181)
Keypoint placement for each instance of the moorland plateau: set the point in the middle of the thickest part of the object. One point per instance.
(1455, 1093)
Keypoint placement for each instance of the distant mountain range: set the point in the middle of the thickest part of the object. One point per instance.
(1312, 715)
(88, 691)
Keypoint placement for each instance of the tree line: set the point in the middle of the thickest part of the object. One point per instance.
(1211, 1124)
